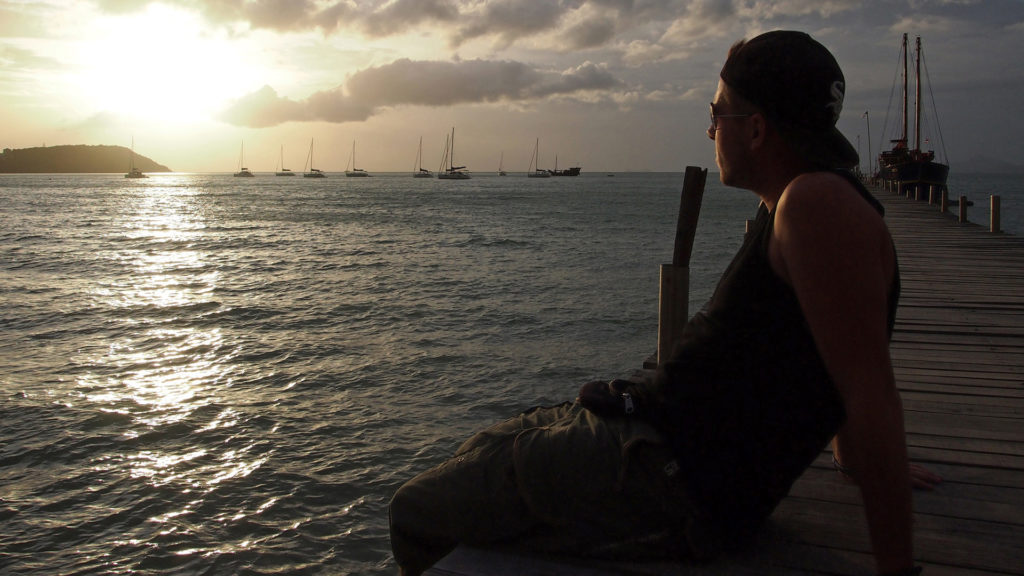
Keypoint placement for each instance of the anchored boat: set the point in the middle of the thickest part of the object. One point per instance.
(913, 167)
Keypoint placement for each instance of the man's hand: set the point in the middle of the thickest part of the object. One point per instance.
(923, 479)
(607, 398)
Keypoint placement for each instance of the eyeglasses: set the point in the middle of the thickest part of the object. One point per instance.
(714, 119)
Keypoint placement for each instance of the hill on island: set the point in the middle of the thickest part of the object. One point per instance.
(74, 159)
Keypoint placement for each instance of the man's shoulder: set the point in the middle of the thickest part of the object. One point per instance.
(824, 186)
(825, 195)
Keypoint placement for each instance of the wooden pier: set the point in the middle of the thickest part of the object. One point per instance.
(958, 352)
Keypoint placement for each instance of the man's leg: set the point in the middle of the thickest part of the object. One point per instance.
(472, 498)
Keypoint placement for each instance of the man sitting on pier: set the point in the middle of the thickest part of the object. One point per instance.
(791, 352)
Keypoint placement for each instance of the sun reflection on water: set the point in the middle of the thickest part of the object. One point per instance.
(163, 369)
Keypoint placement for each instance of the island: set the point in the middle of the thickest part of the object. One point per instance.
(79, 158)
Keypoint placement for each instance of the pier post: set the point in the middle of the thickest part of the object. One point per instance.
(931, 194)
(963, 209)
(674, 297)
(944, 201)
(994, 214)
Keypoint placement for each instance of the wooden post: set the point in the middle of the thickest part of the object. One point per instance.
(931, 194)
(963, 209)
(994, 214)
(944, 201)
(674, 298)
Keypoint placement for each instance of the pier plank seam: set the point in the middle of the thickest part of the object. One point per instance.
(958, 354)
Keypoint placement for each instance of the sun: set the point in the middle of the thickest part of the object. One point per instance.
(160, 64)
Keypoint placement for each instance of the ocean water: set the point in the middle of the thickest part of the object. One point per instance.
(980, 187)
(202, 374)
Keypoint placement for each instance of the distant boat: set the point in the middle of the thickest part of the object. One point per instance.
(355, 172)
(912, 166)
(313, 172)
(242, 170)
(418, 171)
(284, 171)
(501, 166)
(133, 172)
(534, 171)
(448, 170)
(574, 171)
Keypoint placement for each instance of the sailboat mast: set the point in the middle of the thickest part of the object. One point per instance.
(917, 95)
(444, 157)
(904, 88)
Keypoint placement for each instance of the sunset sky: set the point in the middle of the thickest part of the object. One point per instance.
(610, 85)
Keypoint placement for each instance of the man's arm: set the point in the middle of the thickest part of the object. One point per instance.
(835, 251)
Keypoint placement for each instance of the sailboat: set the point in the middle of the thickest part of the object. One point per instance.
(133, 172)
(913, 167)
(283, 171)
(533, 171)
(313, 172)
(418, 171)
(354, 172)
(574, 171)
(501, 165)
(448, 170)
(242, 170)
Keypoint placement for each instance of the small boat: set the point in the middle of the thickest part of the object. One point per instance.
(574, 171)
(448, 170)
(913, 167)
(354, 172)
(418, 171)
(501, 165)
(283, 171)
(534, 171)
(133, 172)
(313, 172)
(242, 170)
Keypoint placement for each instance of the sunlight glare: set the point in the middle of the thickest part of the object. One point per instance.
(160, 63)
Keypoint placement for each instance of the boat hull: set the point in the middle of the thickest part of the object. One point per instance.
(574, 171)
(917, 174)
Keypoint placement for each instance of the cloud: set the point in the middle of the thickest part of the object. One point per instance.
(509, 20)
(590, 33)
(578, 23)
(14, 58)
(420, 83)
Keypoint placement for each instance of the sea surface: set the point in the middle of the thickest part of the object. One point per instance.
(202, 374)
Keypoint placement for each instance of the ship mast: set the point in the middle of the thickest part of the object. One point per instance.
(904, 137)
(917, 95)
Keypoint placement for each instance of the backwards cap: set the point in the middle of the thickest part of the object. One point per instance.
(798, 85)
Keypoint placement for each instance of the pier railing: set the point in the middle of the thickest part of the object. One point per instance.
(935, 194)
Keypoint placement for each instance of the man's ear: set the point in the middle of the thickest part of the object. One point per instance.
(758, 130)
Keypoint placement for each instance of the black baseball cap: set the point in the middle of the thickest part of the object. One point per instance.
(799, 86)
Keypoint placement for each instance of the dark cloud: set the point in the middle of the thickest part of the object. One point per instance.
(411, 83)
(510, 20)
(279, 14)
(504, 21)
(591, 33)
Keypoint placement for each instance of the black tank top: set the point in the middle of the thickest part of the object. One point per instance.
(745, 401)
